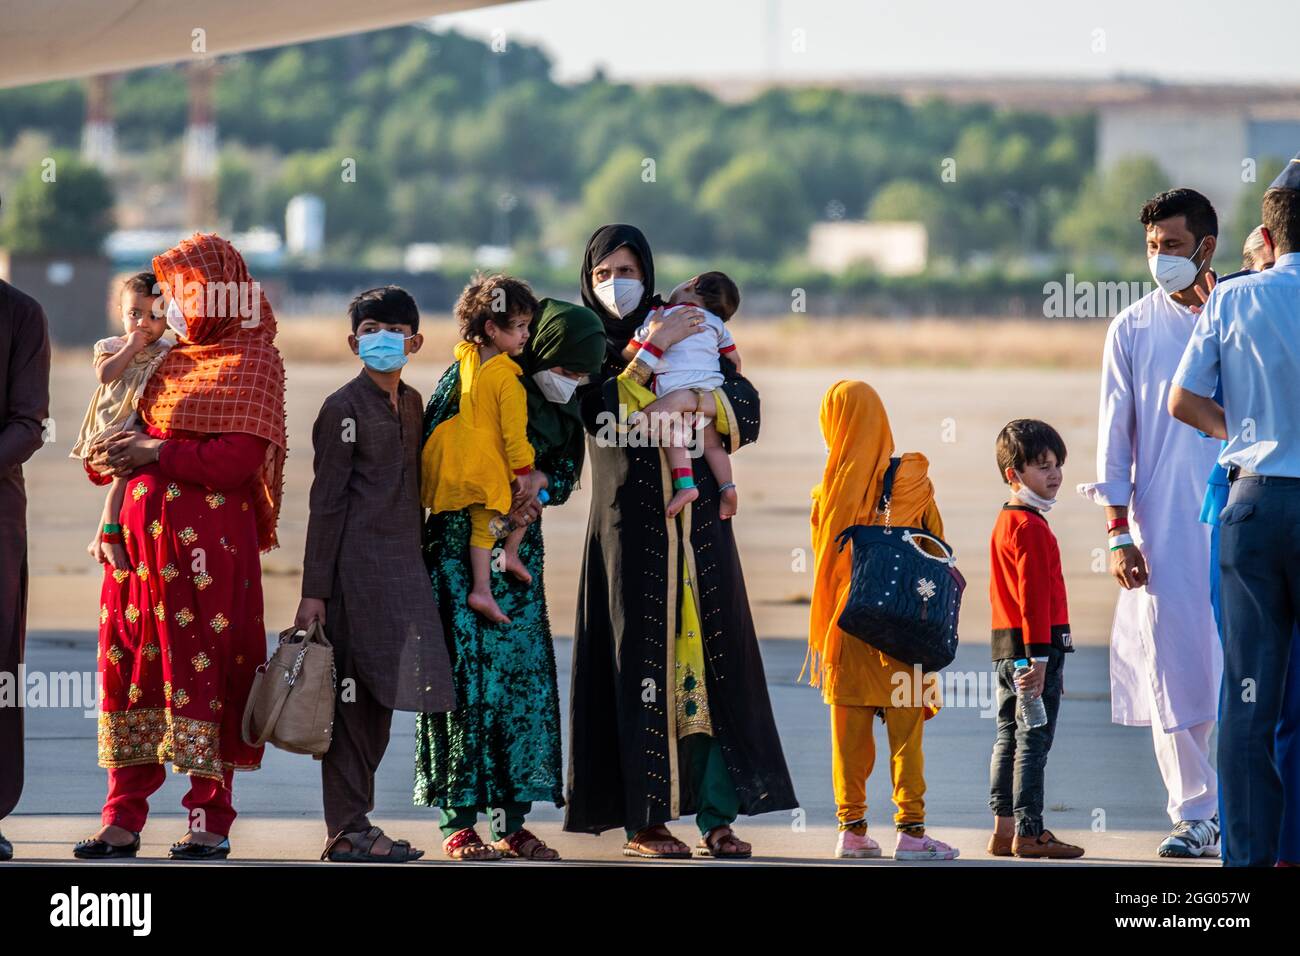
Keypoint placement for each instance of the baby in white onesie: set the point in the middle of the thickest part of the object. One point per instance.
(686, 375)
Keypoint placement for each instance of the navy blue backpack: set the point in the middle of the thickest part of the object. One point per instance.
(903, 600)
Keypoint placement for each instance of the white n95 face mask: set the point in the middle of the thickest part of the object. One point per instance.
(176, 318)
(555, 387)
(620, 296)
(1174, 273)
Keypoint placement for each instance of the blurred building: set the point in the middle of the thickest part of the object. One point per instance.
(1214, 144)
(891, 248)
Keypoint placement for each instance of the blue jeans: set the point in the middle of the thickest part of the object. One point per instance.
(1019, 754)
(1259, 564)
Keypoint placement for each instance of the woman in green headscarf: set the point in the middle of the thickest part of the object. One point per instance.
(500, 749)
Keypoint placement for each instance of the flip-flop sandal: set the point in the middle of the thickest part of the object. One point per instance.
(468, 839)
(631, 848)
(709, 850)
(360, 850)
(522, 845)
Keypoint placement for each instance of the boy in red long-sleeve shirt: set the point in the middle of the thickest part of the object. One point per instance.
(1031, 622)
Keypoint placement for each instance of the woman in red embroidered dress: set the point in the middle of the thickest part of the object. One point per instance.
(181, 633)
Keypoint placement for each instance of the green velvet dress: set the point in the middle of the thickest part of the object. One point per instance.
(501, 745)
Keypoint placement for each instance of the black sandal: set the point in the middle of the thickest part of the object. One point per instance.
(361, 850)
(190, 850)
(97, 849)
(716, 847)
(6, 849)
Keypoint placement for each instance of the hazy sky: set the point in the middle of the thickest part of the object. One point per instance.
(1175, 40)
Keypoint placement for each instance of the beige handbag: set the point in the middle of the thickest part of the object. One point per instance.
(291, 704)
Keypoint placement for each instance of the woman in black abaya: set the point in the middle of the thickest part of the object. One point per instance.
(670, 713)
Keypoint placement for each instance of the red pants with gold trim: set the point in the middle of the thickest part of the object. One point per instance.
(209, 802)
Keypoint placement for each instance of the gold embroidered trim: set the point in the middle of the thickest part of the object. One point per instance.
(145, 735)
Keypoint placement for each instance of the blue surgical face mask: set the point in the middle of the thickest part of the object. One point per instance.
(382, 351)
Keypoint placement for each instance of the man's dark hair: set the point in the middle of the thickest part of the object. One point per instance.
(495, 297)
(1201, 218)
(1281, 215)
(1025, 440)
(142, 283)
(390, 304)
(718, 293)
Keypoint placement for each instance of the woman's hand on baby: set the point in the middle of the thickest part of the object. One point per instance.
(526, 508)
(126, 451)
(525, 488)
(667, 330)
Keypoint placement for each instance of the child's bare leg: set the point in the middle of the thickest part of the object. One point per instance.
(663, 411)
(114, 553)
(684, 490)
(510, 548)
(720, 464)
(480, 598)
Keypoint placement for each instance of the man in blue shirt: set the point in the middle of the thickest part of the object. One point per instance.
(1248, 341)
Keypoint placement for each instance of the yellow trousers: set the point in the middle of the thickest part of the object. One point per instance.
(853, 755)
(480, 534)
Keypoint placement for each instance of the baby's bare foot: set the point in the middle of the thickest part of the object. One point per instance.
(486, 605)
(517, 568)
(729, 503)
(680, 500)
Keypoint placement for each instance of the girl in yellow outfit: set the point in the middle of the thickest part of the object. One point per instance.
(475, 459)
(858, 681)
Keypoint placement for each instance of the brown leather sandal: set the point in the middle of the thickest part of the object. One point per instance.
(466, 846)
(361, 848)
(637, 846)
(522, 845)
(721, 843)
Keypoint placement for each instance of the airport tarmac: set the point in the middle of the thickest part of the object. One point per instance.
(1103, 789)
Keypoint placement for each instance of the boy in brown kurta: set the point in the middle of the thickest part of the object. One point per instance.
(24, 409)
(363, 574)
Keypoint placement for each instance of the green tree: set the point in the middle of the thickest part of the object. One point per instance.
(1103, 225)
(237, 189)
(354, 188)
(907, 200)
(62, 206)
(622, 191)
(757, 207)
(1237, 223)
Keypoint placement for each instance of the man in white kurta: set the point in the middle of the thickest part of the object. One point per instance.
(1165, 657)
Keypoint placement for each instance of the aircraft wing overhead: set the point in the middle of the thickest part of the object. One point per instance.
(44, 40)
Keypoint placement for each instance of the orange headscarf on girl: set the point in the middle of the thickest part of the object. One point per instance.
(225, 373)
(856, 429)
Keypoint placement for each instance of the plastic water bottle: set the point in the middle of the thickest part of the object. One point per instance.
(501, 525)
(1029, 706)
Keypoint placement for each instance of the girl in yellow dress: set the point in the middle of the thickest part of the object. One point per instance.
(480, 458)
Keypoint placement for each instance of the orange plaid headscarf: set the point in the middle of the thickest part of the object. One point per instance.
(225, 374)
